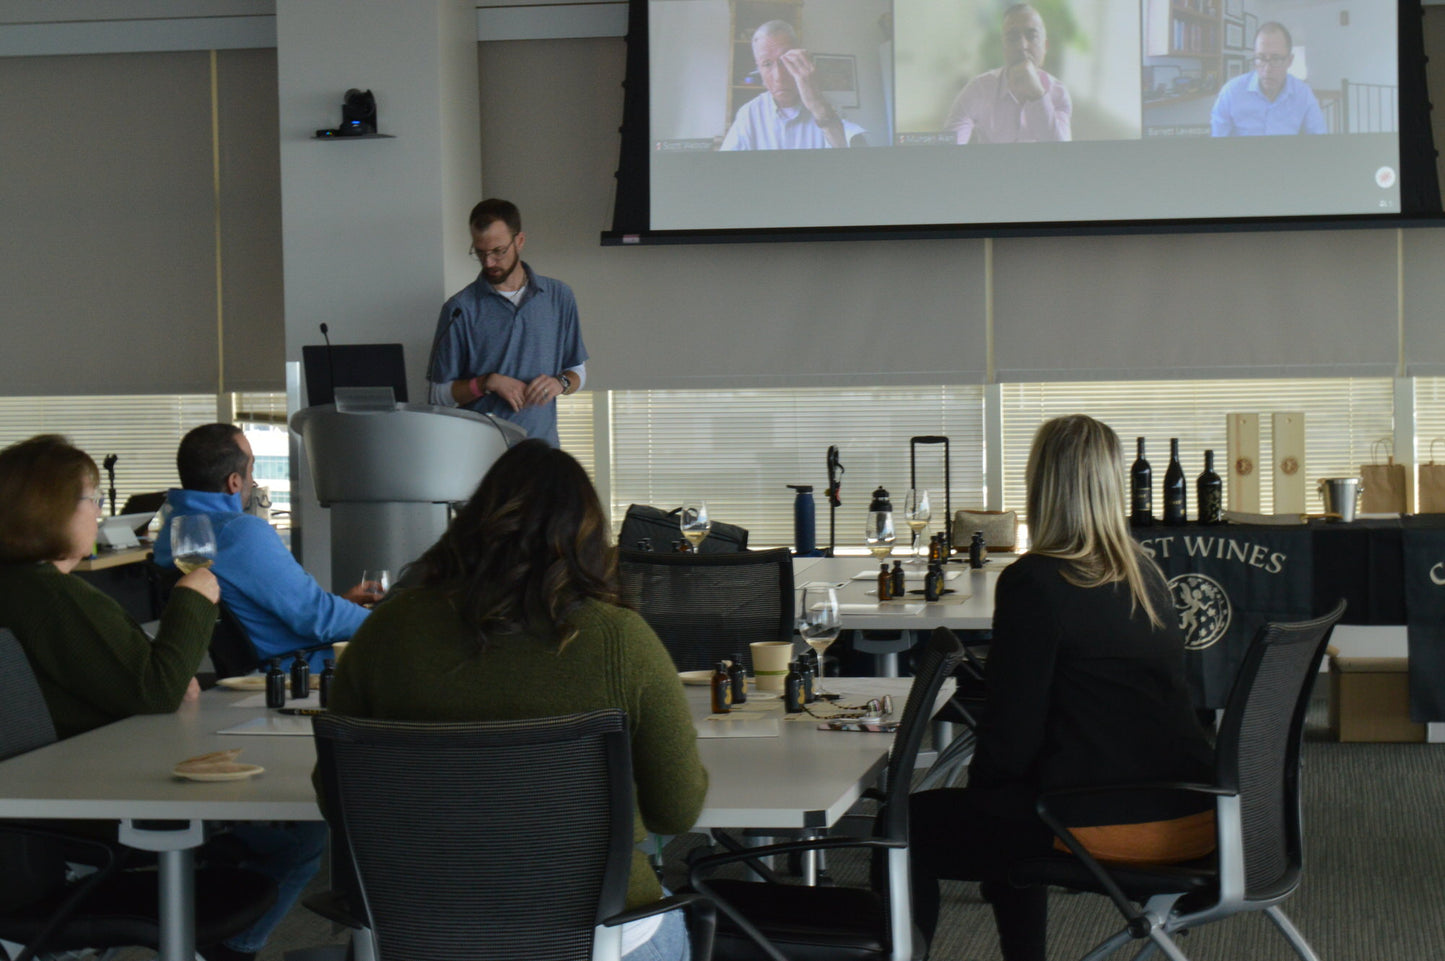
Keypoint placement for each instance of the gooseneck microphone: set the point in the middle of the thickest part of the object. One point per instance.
(109, 465)
(330, 365)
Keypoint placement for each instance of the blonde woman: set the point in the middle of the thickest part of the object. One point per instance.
(1086, 687)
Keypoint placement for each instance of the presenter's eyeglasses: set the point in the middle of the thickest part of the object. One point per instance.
(496, 253)
(98, 499)
(1271, 60)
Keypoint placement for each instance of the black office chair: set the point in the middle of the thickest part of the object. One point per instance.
(232, 653)
(111, 907)
(1257, 808)
(789, 922)
(708, 607)
(496, 839)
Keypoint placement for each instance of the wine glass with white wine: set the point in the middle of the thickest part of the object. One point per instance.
(193, 542)
(693, 521)
(878, 533)
(819, 623)
(917, 511)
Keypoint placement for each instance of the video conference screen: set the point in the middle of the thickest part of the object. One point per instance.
(844, 113)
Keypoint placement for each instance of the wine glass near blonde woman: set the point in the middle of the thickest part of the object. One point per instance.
(694, 523)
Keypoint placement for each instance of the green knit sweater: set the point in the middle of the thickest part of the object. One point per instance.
(414, 660)
(94, 663)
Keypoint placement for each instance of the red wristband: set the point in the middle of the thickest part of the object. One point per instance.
(477, 389)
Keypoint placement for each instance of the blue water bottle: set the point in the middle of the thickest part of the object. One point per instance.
(804, 524)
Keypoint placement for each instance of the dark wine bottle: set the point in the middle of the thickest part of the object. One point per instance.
(1210, 489)
(1174, 510)
(1141, 491)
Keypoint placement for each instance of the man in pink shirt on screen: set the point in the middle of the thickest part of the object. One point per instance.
(1019, 102)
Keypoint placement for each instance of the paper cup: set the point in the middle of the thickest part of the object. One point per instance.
(770, 663)
(338, 649)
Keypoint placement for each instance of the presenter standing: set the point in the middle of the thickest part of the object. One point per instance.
(509, 343)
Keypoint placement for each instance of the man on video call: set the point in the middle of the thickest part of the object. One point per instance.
(791, 114)
(1267, 101)
(509, 343)
(1019, 102)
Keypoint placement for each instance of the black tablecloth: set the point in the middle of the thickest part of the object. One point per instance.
(1227, 580)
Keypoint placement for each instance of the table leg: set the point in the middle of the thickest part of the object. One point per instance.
(175, 843)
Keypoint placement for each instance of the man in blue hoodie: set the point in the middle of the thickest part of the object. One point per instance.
(281, 606)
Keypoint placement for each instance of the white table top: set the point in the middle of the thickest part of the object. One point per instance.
(802, 777)
(971, 613)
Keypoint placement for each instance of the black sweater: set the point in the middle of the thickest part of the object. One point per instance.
(1083, 692)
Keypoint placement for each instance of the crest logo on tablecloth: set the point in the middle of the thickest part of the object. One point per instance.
(1203, 608)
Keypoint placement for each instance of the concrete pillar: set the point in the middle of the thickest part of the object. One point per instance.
(374, 230)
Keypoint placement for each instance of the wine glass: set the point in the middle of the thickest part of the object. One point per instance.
(378, 582)
(819, 623)
(878, 534)
(193, 542)
(693, 521)
(918, 512)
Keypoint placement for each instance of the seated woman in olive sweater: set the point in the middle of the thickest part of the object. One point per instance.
(516, 617)
(94, 663)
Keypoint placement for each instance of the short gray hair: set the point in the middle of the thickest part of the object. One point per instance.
(777, 28)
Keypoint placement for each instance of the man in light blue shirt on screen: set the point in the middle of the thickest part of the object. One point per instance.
(1267, 101)
(791, 114)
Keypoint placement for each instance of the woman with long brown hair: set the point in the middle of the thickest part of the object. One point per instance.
(516, 617)
(1085, 687)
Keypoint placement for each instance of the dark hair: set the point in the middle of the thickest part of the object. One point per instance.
(208, 455)
(1279, 28)
(491, 210)
(41, 483)
(529, 547)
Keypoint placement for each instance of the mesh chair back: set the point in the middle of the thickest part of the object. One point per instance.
(1258, 747)
(483, 840)
(941, 655)
(708, 607)
(24, 719)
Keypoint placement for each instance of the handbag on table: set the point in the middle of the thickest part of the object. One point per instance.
(662, 528)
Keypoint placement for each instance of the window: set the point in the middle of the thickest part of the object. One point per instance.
(143, 431)
(739, 449)
(1343, 417)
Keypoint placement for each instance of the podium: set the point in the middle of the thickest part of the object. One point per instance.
(389, 472)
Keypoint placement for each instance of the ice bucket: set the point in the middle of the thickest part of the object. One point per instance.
(1340, 495)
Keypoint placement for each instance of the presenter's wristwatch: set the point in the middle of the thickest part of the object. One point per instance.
(565, 379)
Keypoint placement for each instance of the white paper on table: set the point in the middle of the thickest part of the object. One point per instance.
(956, 597)
(747, 727)
(881, 607)
(282, 724)
(312, 700)
(916, 575)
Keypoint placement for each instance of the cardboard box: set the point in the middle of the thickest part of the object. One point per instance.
(1370, 700)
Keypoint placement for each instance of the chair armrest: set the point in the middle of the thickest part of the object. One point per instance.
(705, 865)
(670, 903)
(702, 931)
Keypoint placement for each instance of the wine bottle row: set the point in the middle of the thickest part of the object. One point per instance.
(1209, 491)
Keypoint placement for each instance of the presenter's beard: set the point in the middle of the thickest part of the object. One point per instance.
(495, 275)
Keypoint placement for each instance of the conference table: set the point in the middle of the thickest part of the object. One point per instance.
(764, 773)
(968, 608)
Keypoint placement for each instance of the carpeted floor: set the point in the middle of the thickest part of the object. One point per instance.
(1375, 860)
